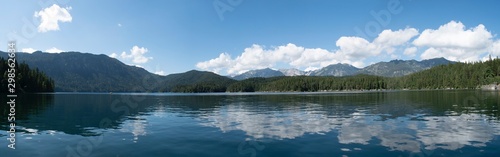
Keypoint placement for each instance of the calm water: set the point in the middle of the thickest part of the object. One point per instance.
(404, 123)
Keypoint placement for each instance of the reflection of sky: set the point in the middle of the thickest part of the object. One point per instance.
(455, 132)
(412, 133)
(136, 126)
(271, 124)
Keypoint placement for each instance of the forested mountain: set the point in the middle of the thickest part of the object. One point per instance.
(449, 76)
(395, 68)
(336, 70)
(195, 81)
(26, 79)
(457, 75)
(392, 68)
(85, 72)
(267, 72)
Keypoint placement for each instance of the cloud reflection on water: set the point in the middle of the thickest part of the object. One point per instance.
(411, 133)
(136, 126)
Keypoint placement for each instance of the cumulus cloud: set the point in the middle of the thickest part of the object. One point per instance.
(257, 57)
(411, 51)
(113, 55)
(495, 48)
(54, 50)
(51, 16)
(455, 35)
(136, 55)
(388, 39)
(51, 50)
(355, 47)
(454, 41)
(351, 50)
(28, 50)
(216, 64)
(161, 72)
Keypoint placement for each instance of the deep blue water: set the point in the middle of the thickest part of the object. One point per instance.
(396, 123)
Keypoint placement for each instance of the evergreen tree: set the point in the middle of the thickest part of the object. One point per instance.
(26, 79)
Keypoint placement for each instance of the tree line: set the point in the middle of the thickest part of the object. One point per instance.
(469, 75)
(26, 79)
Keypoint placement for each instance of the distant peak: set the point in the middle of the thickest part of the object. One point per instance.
(440, 58)
(193, 71)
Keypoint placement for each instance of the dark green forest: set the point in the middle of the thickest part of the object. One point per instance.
(451, 76)
(455, 76)
(27, 80)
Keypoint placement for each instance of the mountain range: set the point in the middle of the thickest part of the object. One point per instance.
(392, 68)
(86, 72)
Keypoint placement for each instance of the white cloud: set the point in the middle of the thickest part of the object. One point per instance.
(311, 68)
(217, 64)
(393, 56)
(135, 65)
(256, 57)
(113, 55)
(455, 42)
(411, 51)
(161, 72)
(356, 47)
(54, 50)
(388, 39)
(451, 54)
(313, 58)
(495, 48)
(51, 16)
(352, 50)
(51, 50)
(451, 41)
(454, 35)
(136, 55)
(28, 50)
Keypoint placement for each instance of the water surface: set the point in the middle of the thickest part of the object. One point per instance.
(395, 123)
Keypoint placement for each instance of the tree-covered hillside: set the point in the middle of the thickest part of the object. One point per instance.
(457, 75)
(26, 79)
(453, 75)
(84, 72)
(196, 81)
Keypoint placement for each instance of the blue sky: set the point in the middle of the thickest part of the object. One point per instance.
(233, 36)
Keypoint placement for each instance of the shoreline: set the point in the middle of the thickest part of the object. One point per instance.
(260, 92)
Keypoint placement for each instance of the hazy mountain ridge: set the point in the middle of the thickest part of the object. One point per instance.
(267, 72)
(336, 70)
(292, 72)
(85, 72)
(396, 68)
(392, 68)
(75, 71)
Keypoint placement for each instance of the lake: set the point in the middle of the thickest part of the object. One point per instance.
(344, 124)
